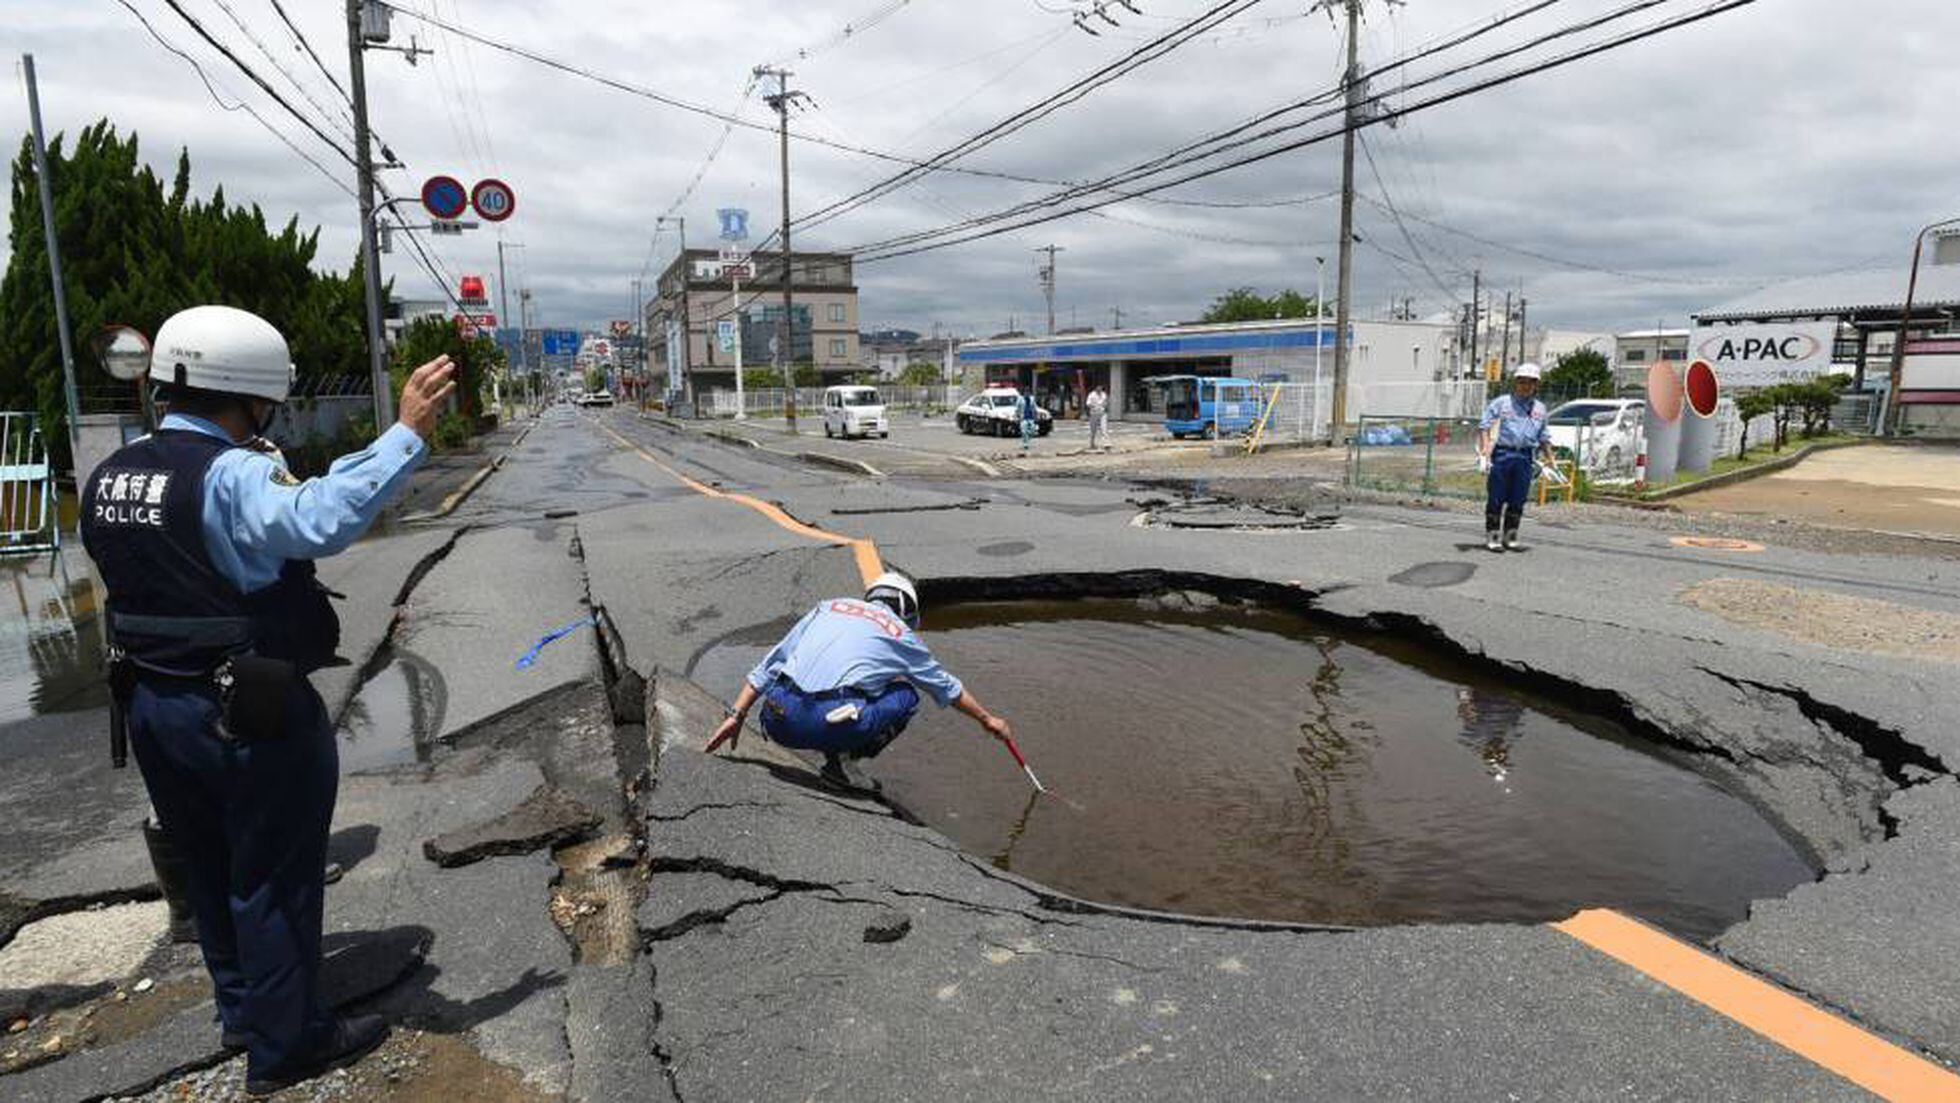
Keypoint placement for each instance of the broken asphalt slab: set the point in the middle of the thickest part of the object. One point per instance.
(546, 818)
(854, 954)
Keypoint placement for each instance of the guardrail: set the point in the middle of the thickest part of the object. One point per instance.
(29, 512)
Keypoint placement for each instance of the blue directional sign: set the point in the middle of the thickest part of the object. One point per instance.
(561, 342)
(734, 223)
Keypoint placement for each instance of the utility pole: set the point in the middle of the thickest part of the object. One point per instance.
(1346, 277)
(68, 392)
(503, 309)
(384, 397)
(1504, 360)
(677, 372)
(1047, 278)
(1523, 333)
(786, 327)
(1319, 333)
(1476, 320)
(1116, 317)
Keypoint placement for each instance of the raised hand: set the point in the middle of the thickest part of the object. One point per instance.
(423, 395)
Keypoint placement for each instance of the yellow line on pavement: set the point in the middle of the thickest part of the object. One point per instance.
(869, 564)
(1803, 1028)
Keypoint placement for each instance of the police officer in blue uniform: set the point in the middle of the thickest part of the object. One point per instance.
(205, 544)
(1514, 434)
(846, 680)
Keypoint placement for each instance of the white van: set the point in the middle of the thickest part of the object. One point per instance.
(854, 411)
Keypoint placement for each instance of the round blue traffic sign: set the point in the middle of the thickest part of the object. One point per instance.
(444, 197)
(493, 200)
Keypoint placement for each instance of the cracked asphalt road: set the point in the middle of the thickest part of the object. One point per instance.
(790, 941)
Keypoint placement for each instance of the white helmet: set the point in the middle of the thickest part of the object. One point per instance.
(1526, 371)
(895, 592)
(222, 349)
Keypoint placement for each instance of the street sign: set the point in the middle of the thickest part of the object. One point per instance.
(493, 199)
(621, 329)
(444, 197)
(560, 342)
(725, 335)
(447, 228)
(734, 223)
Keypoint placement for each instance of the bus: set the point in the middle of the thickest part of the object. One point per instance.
(1208, 406)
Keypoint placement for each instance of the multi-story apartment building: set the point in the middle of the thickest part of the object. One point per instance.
(691, 350)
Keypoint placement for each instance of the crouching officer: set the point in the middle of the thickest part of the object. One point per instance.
(846, 679)
(205, 544)
(1514, 433)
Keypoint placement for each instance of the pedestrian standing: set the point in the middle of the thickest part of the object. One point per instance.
(847, 678)
(1513, 435)
(206, 544)
(1098, 419)
(1030, 421)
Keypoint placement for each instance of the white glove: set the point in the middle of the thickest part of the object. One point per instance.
(1483, 464)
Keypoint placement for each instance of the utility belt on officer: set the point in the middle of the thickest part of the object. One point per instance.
(1527, 449)
(253, 690)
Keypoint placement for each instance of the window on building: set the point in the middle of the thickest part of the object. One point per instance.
(837, 348)
(837, 313)
(1634, 356)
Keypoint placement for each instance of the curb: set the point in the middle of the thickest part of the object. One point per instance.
(1743, 474)
(457, 496)
(856, 467)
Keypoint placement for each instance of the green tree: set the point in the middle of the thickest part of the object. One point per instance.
(1750, 405)
(920, 373)
(134, 252)
(1580, 372)
(761, 379)
(1246, 304)
(476, 359)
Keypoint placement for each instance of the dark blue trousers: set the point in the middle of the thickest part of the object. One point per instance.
(251, 820)
(1508, 486)
(794, 718)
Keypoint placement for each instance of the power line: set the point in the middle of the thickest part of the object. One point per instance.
(1194, 151)
(1372, 108)
(267, 88)
(300, 38)
(849, 31)
(241, 105)
(1075, 91)
(1449, 293)
(1381, 114)
(259, 44)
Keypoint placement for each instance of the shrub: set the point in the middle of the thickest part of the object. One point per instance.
(453, 432)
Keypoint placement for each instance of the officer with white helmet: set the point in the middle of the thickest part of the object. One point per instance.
(1513, 433)
(847, 678)
(205, 543)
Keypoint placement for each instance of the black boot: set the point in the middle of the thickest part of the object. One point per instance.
(1513, 516)
(173, 877)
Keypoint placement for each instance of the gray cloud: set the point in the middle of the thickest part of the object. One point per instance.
(1793, 136)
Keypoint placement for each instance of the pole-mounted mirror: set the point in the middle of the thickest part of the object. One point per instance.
(123, 351)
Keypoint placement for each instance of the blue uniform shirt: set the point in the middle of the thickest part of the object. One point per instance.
(1518, 426)
(256, 516)
(847, 643)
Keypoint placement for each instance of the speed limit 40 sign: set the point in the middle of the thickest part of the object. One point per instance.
(493, 200)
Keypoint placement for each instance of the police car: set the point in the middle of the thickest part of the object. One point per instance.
(996, 411)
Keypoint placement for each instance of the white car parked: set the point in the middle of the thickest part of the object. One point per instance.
(854, 412)
(1603, 434)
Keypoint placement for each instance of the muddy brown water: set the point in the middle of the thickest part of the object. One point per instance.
(1242, 762)
(51, 653)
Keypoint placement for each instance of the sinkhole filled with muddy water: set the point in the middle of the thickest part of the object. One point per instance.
(1235, 760)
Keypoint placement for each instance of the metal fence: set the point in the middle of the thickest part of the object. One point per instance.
(1425, 455)
(1292, 413)
(29, 513)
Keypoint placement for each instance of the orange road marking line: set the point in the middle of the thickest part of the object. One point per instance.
(1802, 1028)
(869, 564)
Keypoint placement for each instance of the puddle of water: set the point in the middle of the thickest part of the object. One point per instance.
(1248, 763)
(395, 716)
(51, 655)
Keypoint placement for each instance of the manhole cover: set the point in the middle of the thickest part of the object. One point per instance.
(1716, 543)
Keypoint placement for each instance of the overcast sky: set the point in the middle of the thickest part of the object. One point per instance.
(1785, 138)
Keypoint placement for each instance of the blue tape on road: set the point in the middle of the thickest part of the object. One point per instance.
(531, 656)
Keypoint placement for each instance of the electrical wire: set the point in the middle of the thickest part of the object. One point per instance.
(1157, 48)
(1449, 293)
(264, 86)
(241, 105)
(293, 29)
(1380, 113)
(343, 129)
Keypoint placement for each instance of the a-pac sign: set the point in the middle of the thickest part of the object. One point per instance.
(1762, 354)
(734, 223)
